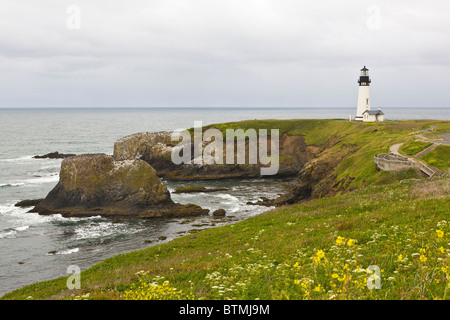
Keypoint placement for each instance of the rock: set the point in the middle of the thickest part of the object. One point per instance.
(28, 203)
(156, 149)
(54, 155)
(197, 189)
(219, 213)
(53, 252)
(96, 184)
(316, 178)
(162, 238)
(263, 202)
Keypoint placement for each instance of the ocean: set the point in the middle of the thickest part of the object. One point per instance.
(36, 248)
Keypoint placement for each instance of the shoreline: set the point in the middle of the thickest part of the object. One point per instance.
(170, 229)
(348, 183)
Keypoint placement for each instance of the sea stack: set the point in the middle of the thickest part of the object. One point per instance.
(96, 184)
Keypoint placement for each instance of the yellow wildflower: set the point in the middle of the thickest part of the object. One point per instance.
(423, 258)
(440, 233)
(444, 269)
(400, 257)
(351, 242)
(296, 265)
(320, 254)
(342, 278)
(339, 240)
(441, 249)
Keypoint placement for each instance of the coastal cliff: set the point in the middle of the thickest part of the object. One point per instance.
(156, 149)
(96, 184)
(327, 157)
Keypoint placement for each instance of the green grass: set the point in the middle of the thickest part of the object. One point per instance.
(442, 127)
(278, 254)
(361, 141)
(413, 147)
(439, 157)
(431, 136)
(313, 250)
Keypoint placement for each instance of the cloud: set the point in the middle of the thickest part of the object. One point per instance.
(221, 53)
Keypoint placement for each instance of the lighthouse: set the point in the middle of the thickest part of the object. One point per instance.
(363, 94)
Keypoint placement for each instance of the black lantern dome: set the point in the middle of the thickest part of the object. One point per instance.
(364, 79)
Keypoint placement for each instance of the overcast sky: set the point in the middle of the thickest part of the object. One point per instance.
(223, 53)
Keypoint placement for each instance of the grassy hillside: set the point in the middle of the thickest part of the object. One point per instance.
(368, 139)
(439, 157)
(413, 147)
(320, 249)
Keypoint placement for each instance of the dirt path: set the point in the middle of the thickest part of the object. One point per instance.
(429, 169)
(444, 137)
(394, 148)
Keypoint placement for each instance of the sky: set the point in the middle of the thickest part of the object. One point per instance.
(223, 53)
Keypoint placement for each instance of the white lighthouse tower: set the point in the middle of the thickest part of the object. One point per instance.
(363, 94)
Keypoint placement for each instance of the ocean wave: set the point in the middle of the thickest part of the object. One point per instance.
(13, 184)
(5, 234)
(68, 251)
(40, 180)
(12, 232)
(231, 202)
(21, 218)
(17, 159)
(103, 229)
(32, 181)
(22, 228)
(47, 170)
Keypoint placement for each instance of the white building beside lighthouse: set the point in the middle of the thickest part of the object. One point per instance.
(363, 112)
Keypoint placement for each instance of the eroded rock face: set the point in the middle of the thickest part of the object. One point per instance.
(316, 178)
(96, 184)
(156, 149)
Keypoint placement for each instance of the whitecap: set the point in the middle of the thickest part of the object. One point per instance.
(8, 234)
(44, 179)
(17, 159)
(54, 177)
(12, 184)
(102, 229)
(21, 217)
(68, 251)
(231, 201)
(22, 228)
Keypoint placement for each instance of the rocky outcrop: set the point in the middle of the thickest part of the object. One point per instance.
(54, 155)
(219, 213)
(156, 149)
(96, 184)
(28, 203)
(316, 178)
